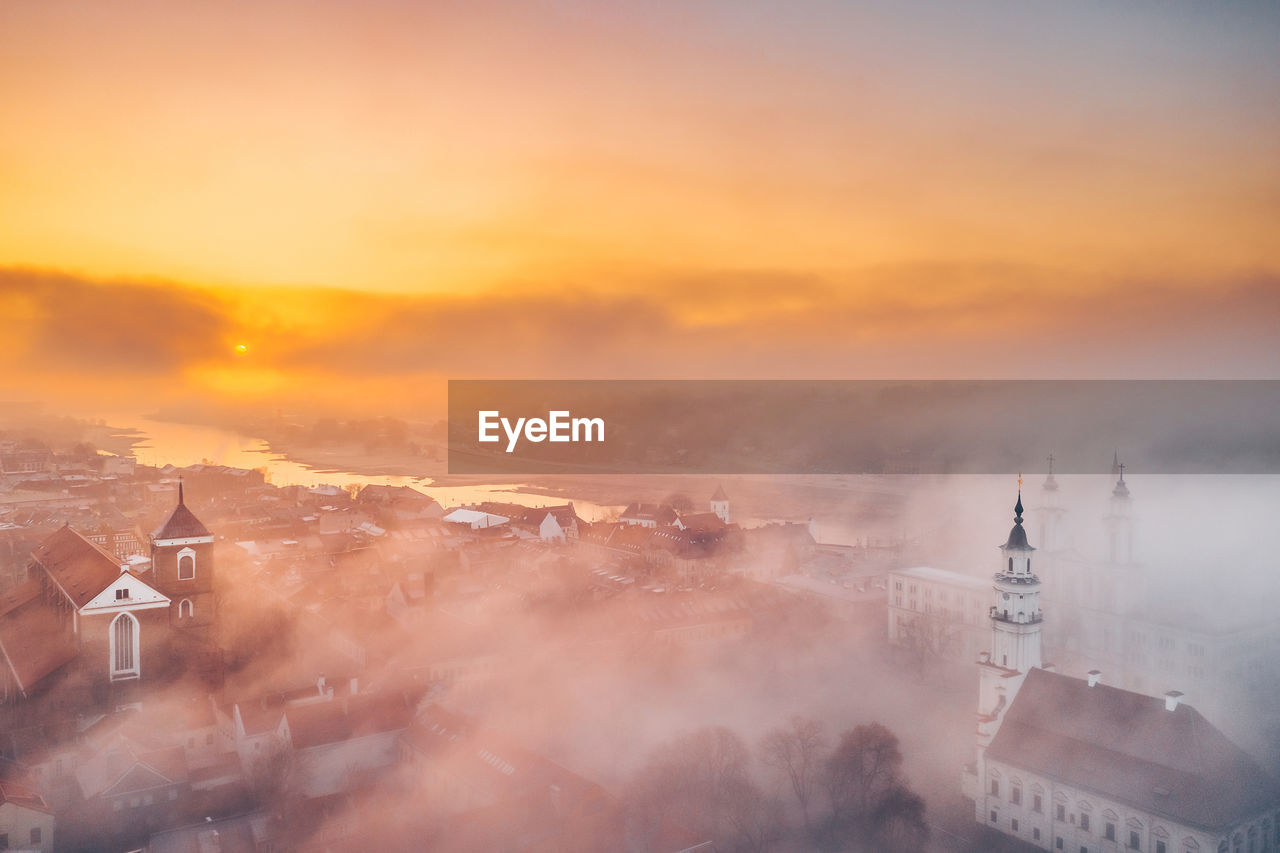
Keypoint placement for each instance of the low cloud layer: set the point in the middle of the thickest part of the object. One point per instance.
(138, 339)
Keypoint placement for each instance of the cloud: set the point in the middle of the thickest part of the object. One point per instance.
(978, 320)
(70, 324)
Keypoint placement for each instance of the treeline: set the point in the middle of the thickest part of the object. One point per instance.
(796, 789)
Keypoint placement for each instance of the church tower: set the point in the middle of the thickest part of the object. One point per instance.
(182, 566)
(1119, 523)
(720, 504)
(1015, 630)
(1053, 515)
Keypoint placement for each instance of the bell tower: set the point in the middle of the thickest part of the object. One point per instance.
(182, 566)
(1015, 630)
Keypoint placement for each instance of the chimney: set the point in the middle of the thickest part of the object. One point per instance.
(1095, 675)
(1171, 699)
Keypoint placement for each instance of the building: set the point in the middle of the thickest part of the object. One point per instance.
(1071, 764)
(938, 612)
(26, 821)
(1115, 612)
(81, 603)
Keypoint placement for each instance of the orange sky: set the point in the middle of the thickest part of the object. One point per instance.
(394, 189)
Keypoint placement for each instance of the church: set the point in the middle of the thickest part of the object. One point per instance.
(1076, 765)
(81, 608)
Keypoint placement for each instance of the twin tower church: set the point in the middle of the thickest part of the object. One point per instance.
(82, 612)
(1075, 765)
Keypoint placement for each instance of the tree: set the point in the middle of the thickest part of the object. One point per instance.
(702, 782)
(927, 639)
(795, 752)
(868, 796)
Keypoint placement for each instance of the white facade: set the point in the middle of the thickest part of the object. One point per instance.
(1015, 633)
(1040, 809)
(946, 611)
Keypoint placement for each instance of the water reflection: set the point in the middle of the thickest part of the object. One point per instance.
(192, 444)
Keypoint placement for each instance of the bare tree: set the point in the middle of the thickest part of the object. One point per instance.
(927, 639)
(867, 794)
(795, 752)
(702, 783)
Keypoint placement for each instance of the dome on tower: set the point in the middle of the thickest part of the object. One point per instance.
(1018, 536)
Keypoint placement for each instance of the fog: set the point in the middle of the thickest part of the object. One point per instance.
(379, 673)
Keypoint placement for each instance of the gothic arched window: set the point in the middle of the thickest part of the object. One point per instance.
(124, 646)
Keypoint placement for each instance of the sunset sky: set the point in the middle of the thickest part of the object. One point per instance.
(379, 195)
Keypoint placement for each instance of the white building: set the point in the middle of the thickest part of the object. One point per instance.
(939, 612)
(1117, 613)
(1072, 764)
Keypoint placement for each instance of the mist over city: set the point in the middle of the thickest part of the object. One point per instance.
(931, 352)
(586, 663)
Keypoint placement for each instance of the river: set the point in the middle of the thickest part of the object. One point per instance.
(191, 444)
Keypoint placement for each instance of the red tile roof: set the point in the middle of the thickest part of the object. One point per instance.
(33, 642)
(340, 720)
(75, 564)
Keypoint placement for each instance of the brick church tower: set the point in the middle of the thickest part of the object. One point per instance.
(182, 566)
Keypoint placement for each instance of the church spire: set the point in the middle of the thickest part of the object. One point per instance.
(1122, 489)
(1050, 484)
(180, 502)
(1018, 536)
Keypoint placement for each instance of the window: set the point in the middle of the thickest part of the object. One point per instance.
(1015, 795)
(1058, 843)
(1062, 812)
(1084, 821)
(1013, 824)
(1037, 804)
(1160, 847)
(995, 788)
(185, 609)
(1035, 834)
(1111, 831)
(186, 567)
(994, 816)
(122, 594)
(1133, 840)
(35, 835)
(124, 646)
(4, 841)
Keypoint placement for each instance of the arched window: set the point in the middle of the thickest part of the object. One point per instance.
(185, 609)
(124, 646)
(1011, 565)
(186, 564)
